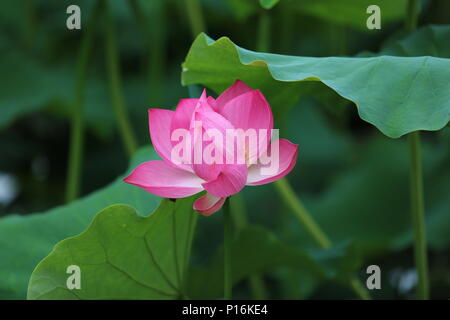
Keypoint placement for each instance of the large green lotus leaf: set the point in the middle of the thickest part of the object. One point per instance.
(25, 240)
(352, 13)
(396, 94)
(431, 40)
(256, 250)
(122, 256)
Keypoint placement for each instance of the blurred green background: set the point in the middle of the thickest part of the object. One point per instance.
(353, 179)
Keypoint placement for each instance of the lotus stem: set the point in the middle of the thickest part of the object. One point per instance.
(155, 46)
(263, 43)
(238, 210)
(287, 29)
(227, 242)
(418, 215)
(302, 214)
(287, 193)
(411, 15)
(77, 120)
(416, 187)
(31, 23)
(195, 17)
(115, 83)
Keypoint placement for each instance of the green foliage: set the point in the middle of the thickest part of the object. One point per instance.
(427, 41)
(398, 95)
(122, 256)
(268, 4)
(352, 13)
(256, 250)
(242, 9)
(26, 75)
(25, 240)
(49, 86)
(368, 203)
(346, 13)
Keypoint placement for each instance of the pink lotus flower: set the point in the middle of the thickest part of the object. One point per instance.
(239, 107)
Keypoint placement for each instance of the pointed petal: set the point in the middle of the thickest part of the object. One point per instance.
(208, 204)
(287, 158)
(212, 102)
(236, 89)
(186, 108)
(230, 181)
(183, 114)
(163, 180)
(249, 110)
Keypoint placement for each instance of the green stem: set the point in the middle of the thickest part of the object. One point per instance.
(418, 215)
(228, 280)
(195, 16)
(411, 15)
(77, 120)
(302, 214)
(157, 61)
(155, 45)
(416, 188)
(31, 23)
(358, 288)
(305, 218)
(287, 27)
(112, 61)
(263, 42)
(239, 213)
(141, 21)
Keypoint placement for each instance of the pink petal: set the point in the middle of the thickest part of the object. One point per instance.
(186, 108)
(159, 121)
(251, 111)
(183, 113)
(212, 102)
(236, 89)
(230, 181)
(204, 103)
(205, 170)
(208, 204)
(209, 120)
(287, 159)
(163, 180)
